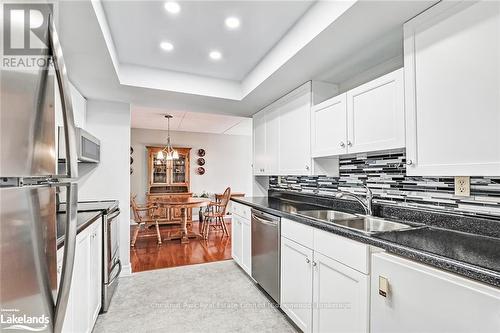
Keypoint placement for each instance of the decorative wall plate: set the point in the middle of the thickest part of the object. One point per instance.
(200, 170)
(201, 161)
(201, 152)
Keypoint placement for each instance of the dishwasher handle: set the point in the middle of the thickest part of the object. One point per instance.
(273, 222)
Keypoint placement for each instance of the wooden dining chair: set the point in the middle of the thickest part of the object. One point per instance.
(144, 216)
(213, 218)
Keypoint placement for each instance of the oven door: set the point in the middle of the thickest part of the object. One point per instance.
(112, 234)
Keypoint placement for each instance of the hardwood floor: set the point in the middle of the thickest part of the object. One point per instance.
(148, 255)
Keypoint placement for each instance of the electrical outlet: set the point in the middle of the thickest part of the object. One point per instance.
(462, 186)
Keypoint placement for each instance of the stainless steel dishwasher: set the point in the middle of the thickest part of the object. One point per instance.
(266, 252)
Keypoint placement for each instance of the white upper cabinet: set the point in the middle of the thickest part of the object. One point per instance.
(367, 118)
(282, 132)
(272, 141)
(79, 106)
(259, 143)
(452, 90)
(329, 127)
(294, 132)
(375, 114)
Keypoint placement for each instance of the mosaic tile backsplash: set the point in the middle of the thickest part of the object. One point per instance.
(385, 174)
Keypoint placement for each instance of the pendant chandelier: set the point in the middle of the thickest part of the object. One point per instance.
(168, 152)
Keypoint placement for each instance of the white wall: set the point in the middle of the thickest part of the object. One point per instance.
(228, 160)
(109, 180)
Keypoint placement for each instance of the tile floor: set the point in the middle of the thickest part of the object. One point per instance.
(213, 297)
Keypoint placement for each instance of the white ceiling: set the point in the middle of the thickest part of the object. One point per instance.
(138, 27)
(338, 48)
(153, 118)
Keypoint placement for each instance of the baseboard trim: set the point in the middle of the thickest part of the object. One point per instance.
(126, 270)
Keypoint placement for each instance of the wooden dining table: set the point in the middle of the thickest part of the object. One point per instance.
(184, 204)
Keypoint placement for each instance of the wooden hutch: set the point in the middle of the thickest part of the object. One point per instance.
(168, 180)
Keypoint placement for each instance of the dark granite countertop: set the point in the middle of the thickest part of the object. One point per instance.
(470, 255)
(84, 219)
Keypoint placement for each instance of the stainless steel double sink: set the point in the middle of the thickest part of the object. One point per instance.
(363, 223)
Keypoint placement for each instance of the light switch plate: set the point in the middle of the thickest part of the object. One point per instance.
(462, 186)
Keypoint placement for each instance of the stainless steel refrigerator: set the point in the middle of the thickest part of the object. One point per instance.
(29, 296)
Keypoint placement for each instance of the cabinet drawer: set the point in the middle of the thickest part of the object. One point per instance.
(341, 249)
(241, 210)
(297, 232)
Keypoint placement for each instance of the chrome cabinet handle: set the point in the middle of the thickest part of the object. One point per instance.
(119, 263)
(349, 143)
(409, 162)
(114, 215)
(342, 144)
(308, 261)
(66, 103)
(264, 221)
(314, 263)
(307, 167)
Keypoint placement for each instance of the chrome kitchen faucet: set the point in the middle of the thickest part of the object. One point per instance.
(366, 202)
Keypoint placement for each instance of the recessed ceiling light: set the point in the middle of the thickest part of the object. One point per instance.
(215, 55)
(172, 7)
(232, 22)
(167, 46)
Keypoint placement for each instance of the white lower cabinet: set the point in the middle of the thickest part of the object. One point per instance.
(420, 298)
(241, 237)
(319, 293)
(296, 282)
(84, 301)
(236, 239)
(246, 246)
(95, 290)
(340, 297)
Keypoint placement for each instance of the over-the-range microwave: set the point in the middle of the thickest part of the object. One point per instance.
(88, 147)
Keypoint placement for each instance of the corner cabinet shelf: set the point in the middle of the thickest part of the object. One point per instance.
(168, 180)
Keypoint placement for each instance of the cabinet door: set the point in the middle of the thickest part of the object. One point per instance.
(236, 239)
(295, 133)
(443, 301)
(179, 171)
(259, 142)
(95, 272)
(375, 114)
(452, 84)
(329, 127)
(341, 297)
(79, 106)
(68, 319)
(296, 283)
(272, 140)
(79, 296)
(246, 245)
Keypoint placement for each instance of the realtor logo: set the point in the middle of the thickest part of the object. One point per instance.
(12, 319)
(25, 30)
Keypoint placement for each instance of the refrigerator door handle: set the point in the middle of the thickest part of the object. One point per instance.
(71, 173)
(68, 257)
(66, 103)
